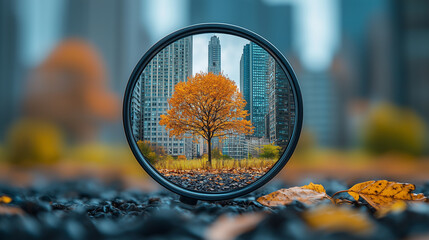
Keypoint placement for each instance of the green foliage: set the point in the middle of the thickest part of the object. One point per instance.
(34, 142)
(151, 151)
(217, 154)
(270, 151)
(391, 129)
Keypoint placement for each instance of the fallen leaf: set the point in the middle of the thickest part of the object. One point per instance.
(316, 187)
(228, 228)
(397, 206)
(333, 218)
(5, 199)
(342, 201)
(7, 210)
(382, 193)
(305, 194)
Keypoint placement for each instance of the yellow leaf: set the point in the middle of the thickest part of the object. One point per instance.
(308, 194)
(316, 187)
(332, 218)
(382, 193)
(397, 206)
(5, 199)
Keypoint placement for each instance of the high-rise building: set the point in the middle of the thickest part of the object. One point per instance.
(280, 118)
(136, 111)
(235, 146)
(11, 67)
(253, 77)
(214, 55)
(271, 19)
(319, 99)
(170, 66)
(245, 77)
(214, 66)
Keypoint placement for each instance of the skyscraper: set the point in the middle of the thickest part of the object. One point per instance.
(136, 111)
(245, 77)
(253, 79)
(281, 106)
(214, 55)
(214, 66)
(170, 66)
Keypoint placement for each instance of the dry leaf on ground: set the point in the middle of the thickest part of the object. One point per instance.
(397, 206)
(228, 228)
(308, 194)
(7, 210)
(382, 193)
(333, 218)
(5, 199)
(316, 187)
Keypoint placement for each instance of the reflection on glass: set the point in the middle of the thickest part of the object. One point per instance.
(212, 112)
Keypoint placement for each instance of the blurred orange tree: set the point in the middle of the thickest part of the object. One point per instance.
(70, 89)
(208, 105)
(391, 129)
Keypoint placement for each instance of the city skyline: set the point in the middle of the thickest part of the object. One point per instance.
(230, 57)
(263, 84)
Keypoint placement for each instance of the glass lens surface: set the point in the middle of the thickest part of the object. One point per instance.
(212, 112)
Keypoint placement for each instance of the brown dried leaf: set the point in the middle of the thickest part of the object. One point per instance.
(308, 194)
(228, 228)
(8, 210)
(382, 193)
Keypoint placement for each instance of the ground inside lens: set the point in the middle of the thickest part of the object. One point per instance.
(212, 112)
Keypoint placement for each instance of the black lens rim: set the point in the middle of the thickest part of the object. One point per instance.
(201, 29)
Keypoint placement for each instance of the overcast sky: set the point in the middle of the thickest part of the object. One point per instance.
(231, 50)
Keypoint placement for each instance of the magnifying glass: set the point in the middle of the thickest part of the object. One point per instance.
(212, 112)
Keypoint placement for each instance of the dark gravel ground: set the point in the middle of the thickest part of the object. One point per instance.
(214, 182)
(87, 209)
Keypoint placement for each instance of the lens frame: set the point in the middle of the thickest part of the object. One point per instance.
(201, 29)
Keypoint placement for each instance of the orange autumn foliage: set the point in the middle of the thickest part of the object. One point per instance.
(207, 105)
(70, 89)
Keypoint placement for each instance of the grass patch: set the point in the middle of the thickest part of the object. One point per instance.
(216, 163)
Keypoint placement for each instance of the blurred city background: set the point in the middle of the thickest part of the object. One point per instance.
(363, 68)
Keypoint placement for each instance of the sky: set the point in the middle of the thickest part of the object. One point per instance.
(316, 30)
(231, 51)
(313, 19)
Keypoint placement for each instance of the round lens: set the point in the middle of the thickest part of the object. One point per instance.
(212, 112)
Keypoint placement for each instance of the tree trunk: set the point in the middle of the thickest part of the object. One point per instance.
(209, 147)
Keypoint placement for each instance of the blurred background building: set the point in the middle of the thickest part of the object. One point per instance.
(349, 56)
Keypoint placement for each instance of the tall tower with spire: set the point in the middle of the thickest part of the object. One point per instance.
(214, 55)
